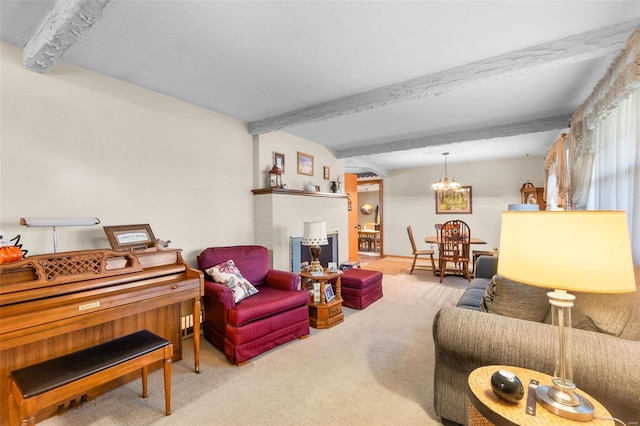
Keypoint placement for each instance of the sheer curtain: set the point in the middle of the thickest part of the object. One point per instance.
(615, 182)
(605, 143)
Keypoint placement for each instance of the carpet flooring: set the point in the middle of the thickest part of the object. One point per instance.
(375, 368)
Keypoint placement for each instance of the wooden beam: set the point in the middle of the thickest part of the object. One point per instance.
(355, 166)
(511, 129)
(577, 48)
(64, 24)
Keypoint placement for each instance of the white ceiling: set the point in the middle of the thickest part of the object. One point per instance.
(385, 84)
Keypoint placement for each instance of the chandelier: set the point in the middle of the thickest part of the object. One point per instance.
(445, 184)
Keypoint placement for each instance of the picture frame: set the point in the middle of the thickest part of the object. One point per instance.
(326, 173)
(332, 266)
(328, 293)
(130, 237)
(278, 160)
(305, 164)
(458, 201)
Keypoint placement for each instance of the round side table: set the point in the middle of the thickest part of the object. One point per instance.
(485, 408)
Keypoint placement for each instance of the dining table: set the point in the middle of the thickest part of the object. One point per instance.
(370, 235)
(433, 239)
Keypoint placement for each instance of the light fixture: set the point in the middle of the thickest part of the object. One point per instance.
(314, 236)
(445, 184)
(53, 222)
(555, 250)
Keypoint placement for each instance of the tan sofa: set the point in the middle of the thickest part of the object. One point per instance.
(516, 331)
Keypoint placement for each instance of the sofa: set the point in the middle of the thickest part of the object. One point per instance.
(274, 312)
(498, 321)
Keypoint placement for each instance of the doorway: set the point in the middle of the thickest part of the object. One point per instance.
(370, 218)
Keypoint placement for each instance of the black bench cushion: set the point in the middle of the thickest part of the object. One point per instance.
(44, 376)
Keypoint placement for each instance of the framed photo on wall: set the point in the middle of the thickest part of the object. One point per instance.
(456, 201)
(326, 173)
(305, 164)
(278, 160)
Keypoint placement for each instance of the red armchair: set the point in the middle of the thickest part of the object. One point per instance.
(277, 314)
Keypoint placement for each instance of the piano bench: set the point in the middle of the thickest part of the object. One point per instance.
(49, 382)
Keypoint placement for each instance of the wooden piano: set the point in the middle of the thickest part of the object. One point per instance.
(58, 303)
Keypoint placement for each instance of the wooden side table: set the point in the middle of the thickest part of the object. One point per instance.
(323, 314)
(485, 408)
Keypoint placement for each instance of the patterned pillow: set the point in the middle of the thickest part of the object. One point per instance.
(226, 273)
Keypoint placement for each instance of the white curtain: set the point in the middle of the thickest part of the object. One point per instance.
(605, 143)
(615, 182)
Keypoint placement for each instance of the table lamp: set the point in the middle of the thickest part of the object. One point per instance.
(556, 250)
(314, 236)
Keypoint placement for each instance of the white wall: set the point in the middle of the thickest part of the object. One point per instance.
(409, 199)
(77, 143)
(290, 145)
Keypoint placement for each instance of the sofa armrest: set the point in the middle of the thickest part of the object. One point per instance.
(604, 366)
(486, 266)
(282, 280)
(219, 294)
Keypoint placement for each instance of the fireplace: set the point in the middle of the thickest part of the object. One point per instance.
(300, 254)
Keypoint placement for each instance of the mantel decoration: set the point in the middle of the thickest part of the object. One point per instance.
(454, 201)
(551, 249)
(275, 177)
(445, 184)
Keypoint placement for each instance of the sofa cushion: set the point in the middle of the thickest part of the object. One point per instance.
(269, 302)
(517, 300)
(614, 314)
(226, 273)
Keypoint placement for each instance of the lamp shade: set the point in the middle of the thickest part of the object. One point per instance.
(586, 251)
(315, 234)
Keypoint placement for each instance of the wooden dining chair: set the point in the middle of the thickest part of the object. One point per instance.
(417, 253)
(454, 243)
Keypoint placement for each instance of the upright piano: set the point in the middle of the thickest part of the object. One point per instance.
(58, 303)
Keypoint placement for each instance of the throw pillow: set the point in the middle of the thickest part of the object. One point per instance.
(517, 300)
(226, 273)
(489, 295)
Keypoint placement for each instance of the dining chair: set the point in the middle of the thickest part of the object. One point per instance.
(417, 253)
(454, 242)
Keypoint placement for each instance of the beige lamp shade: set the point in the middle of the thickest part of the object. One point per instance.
(315, 234)
(586, 251)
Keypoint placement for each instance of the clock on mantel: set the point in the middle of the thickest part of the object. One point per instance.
(532, 195)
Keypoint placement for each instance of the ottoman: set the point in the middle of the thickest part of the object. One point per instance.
(360, 288)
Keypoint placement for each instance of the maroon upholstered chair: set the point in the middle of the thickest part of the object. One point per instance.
(277, 314)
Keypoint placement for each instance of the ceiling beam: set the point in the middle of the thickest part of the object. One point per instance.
(581, 47)
(61, 27)
(504, 130)
(355, 166)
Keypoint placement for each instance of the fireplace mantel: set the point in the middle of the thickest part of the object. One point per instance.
(279, 214)
(296, 192)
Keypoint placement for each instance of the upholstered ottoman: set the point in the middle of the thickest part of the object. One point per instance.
(360, 288)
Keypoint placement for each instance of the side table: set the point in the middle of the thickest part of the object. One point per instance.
(485, 408)
(323, 314)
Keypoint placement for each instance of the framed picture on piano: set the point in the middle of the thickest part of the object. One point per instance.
(130, 237)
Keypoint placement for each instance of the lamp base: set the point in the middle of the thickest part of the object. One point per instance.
(315, 263)
(582, 412)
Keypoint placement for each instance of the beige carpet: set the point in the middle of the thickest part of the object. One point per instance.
(375, 368)
(389, 265)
